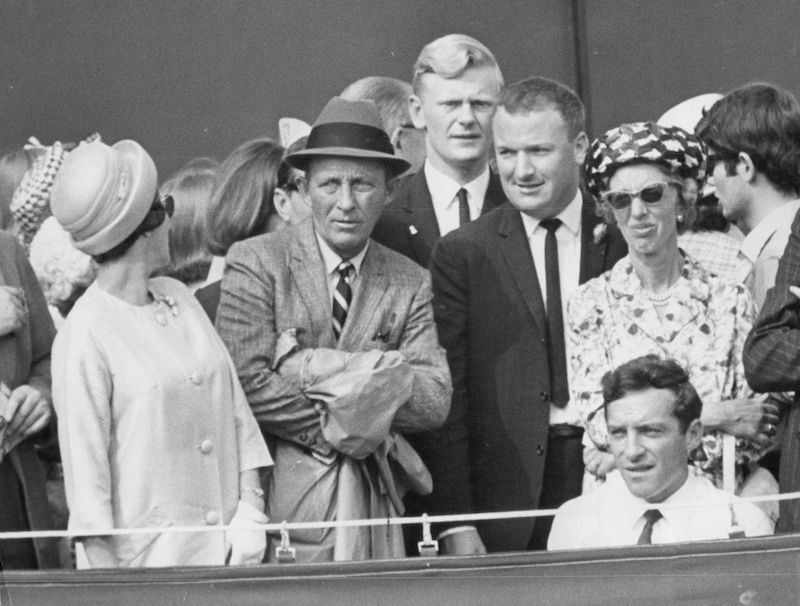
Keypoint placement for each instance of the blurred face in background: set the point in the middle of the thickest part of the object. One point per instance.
(290, 203)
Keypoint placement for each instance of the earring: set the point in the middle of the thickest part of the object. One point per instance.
(680, 217)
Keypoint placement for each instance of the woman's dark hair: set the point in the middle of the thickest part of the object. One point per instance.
(241, 203)
(154, 217)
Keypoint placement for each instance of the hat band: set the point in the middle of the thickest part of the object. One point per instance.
(349, 134)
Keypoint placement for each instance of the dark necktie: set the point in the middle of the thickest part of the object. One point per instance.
(463, 207)
(342, 297)
(559, 388)
(651, 516)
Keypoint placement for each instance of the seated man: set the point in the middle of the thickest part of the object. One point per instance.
(653, 417)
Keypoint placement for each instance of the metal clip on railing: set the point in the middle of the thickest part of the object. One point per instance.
(285, 553)
(736, 531)
(427, 547)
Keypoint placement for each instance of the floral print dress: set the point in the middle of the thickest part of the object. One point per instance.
(706, 322)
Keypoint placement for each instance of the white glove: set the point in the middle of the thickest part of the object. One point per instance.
(246, 546)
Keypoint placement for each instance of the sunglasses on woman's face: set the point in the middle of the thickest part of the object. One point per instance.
(651, 195)
(165, 205)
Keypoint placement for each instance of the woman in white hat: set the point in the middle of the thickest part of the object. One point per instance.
(154, 428)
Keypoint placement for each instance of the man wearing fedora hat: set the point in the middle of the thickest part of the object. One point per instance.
(334, 342)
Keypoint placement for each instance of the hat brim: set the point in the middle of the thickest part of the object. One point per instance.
(300, 159)
(143, 186)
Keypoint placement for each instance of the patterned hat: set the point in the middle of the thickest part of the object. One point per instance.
(30, 203)
(637, 142)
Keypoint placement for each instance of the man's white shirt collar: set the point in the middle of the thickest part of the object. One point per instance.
(674, 516)
(331, 260)
(570, 217)
(780, 218)
(443, 189)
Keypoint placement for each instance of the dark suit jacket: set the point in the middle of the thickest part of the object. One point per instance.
(412, 207)
(208, 296)
(772, 364)
(488, 307)
(25, 359)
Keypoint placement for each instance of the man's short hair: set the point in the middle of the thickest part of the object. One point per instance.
(538, 93)
(390, 95)
(762, 121)
(450, 56)
(652, 372)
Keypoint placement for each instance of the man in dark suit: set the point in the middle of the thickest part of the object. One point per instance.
(772, 363)
(456, 82)
(512, 440)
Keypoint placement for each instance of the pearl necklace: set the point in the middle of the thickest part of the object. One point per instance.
(661, 299)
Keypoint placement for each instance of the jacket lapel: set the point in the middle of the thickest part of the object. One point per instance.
(517, 252)
(421, 218)
(371, 287)
(593, 254)
(308, 273)
(495, 196)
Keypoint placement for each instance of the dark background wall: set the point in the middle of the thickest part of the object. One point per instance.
(198, 77)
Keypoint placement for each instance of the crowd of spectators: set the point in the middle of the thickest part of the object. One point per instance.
(443, 298)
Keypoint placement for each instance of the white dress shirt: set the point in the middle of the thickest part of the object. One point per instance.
(331, 260)
(568, 238)
(612, 517)
(762, 249)
(445, 202)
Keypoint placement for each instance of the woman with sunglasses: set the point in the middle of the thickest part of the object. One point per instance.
(659, 300)
(154, 428)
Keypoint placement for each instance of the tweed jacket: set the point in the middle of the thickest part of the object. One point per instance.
(772, 363)
(276, 282)
(408, 224)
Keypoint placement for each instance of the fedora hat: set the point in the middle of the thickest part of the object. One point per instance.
(349, 129)
(102, 193)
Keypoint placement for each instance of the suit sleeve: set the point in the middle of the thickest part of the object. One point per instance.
(430, 398)
(772, 350)
(41, 326)
(83, 389)
(446, 450)
(246, 323)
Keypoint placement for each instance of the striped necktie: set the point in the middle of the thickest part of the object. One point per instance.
(342, 297)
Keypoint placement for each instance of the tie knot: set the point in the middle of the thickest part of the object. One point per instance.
(344, 269)
(652, 516)
(461, 194)
(551, 225)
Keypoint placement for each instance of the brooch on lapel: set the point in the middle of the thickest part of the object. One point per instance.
(412, 230)
(599, 232)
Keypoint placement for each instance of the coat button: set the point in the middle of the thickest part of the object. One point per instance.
(196, 378)
(206, 447)
(212, 518)
(540, 450)
(303, 437)
(543, 396)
